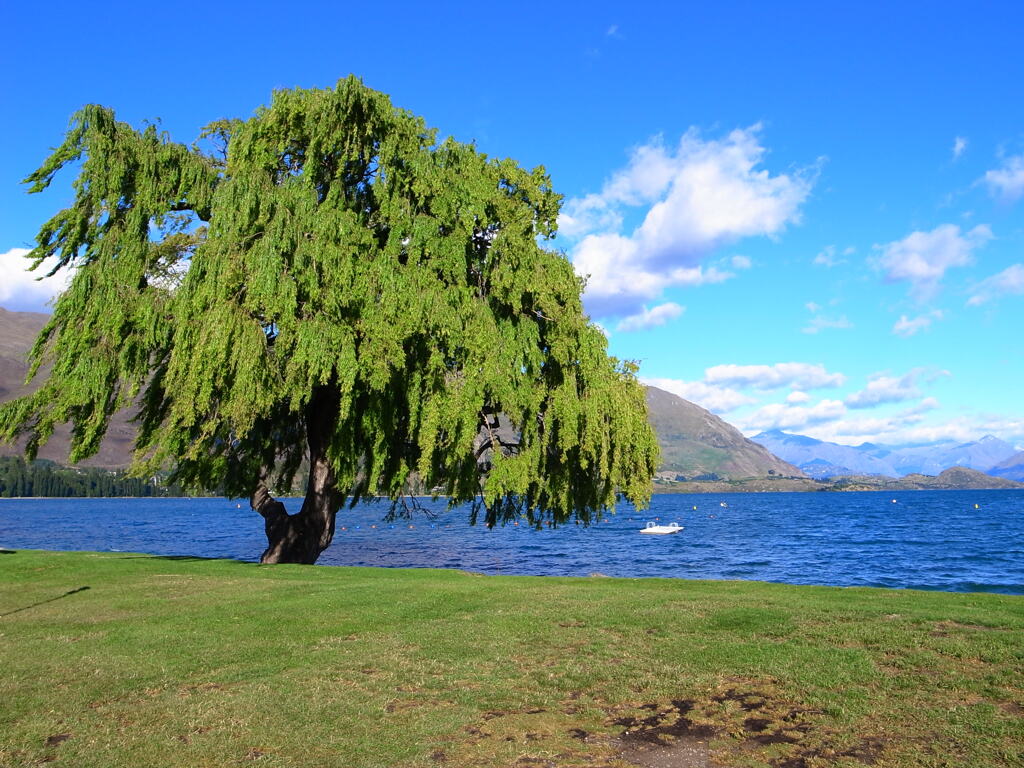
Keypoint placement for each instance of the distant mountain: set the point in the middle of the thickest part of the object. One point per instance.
(932, 458)
(18, 331)
(1011, 469)
(696, 444)
(821, 459)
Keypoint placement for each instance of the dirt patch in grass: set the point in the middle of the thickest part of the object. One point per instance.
(756, 723)
(732, 725)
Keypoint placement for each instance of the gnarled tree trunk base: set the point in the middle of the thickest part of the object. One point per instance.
(298, 538)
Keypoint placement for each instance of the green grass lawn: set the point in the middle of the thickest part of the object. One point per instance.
(113, 660)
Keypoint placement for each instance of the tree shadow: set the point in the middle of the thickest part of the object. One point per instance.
(43, 602)
(188, 559)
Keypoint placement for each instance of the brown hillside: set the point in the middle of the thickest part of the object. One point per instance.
(695, 443)
(18, 330)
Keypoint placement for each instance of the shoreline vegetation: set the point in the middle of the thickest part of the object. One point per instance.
(47, 479)
(114, 659)
(952, 479)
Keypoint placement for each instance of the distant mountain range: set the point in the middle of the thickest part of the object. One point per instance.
(821, 459)
(1011, 469)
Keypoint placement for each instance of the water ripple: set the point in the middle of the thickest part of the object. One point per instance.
(928, 540)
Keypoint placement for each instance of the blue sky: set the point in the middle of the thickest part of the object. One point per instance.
(800, 215)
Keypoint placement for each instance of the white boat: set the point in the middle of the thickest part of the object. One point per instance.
(661, 530)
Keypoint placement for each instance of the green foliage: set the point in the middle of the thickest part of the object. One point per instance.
(336, 254)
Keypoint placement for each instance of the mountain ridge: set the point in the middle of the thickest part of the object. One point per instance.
(823, 459)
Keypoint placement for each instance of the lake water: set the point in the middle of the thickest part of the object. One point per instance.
(925, 540)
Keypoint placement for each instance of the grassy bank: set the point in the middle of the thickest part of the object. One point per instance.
(120, 660)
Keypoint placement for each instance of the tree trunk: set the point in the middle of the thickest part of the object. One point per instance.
(300, 538)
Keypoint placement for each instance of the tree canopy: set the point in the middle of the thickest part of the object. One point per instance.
(327, 288)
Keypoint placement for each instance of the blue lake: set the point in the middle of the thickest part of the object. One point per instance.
(923, 540)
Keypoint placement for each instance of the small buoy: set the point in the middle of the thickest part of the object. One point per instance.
(976, 506)
(694, 506)
(373, 526)
(894, 501)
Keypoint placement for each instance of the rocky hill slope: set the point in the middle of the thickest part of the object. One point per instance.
(18, 330)
(696, 444)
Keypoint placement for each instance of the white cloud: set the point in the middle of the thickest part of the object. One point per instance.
(906, 428)
(699, 196)
(922, 258)
(883, 389)
(1009, 281)
(795, 375)
(21, 290)
(908, 326)
(740, 262)
(820, 323)
(649, 318)
(827, 257)
(786, 416)
(1007, 182)
(959, 145)
(713, 398)
(797, 397)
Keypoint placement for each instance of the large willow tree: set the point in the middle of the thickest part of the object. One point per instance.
(329, 290)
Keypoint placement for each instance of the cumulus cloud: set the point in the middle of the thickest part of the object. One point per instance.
(714, 398)
(821, 322)
(959, 145)
(794, 417)
(1007, 181)
(795, 375)
(908, 326)
(1009, 281)
(796, 397)
(694, 198)
(883, 389)
(649, 318)
(922, 258)
(907, 428)
(21, 290)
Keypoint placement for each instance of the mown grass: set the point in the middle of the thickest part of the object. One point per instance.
(187, 662)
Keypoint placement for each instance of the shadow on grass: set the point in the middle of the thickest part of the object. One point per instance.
(188, 559)
(7, 551)
(44, 602)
